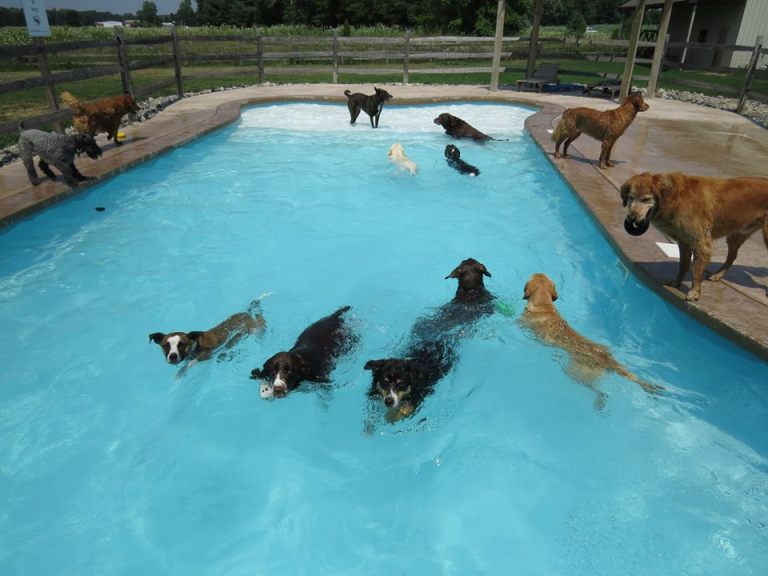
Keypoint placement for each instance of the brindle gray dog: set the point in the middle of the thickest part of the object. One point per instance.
(58, 150)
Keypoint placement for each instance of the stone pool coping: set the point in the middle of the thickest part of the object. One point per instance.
(671, 136)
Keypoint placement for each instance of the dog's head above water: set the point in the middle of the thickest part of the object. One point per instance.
(397, 382)
(281, 374)
(176, 346)
(539, 291)
(470, 276)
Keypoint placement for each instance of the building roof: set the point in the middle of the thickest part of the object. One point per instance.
(655, 3)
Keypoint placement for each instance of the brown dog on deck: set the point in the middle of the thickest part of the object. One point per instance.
(588, 360)
(103, 115)
(603, 126)
(694, 211)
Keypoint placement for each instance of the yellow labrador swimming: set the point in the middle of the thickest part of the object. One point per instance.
(399, 158)
(588, 360)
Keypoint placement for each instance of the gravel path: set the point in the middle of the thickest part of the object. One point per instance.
(753, 110)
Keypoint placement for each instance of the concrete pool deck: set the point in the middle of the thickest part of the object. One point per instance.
(670, 136)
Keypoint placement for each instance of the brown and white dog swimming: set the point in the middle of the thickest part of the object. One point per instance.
(403, 382)
(312, 358)
(370, 104)
(453, 157)
(188, 348)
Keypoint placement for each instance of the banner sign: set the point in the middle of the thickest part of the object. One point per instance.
(37, 19)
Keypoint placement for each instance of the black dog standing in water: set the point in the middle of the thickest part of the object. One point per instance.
(403, 383)
(312, 357)
(371, 105)
(453, 157)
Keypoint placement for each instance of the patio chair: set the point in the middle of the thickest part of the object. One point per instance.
(609, 86)
(545, 74)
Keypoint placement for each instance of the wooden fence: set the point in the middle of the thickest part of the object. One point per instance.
(47, 68)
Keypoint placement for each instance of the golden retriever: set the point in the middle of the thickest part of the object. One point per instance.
(694, 211)
(588, 360)
(604, 126)
(398, 157)
(103, 115)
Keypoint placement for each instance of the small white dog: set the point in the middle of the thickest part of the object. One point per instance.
(398, 157)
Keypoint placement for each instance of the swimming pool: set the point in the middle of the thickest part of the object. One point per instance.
(111, 465)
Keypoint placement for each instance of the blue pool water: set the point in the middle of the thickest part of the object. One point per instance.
(110, 465)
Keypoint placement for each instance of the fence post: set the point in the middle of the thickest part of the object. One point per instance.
(660, 50)
(177, 62)
(497, 41)
(335, 79)
(750, 74)
(260, 57)
(45, 72)
(406, 56)
(533, 42)
(122, 59)
(629, 63)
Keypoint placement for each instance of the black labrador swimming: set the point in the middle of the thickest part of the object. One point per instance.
(403, 383)
(458, 128)
(312, 357)
(371, 105)
(453, 157)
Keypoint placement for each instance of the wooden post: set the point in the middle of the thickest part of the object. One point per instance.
(660, 49)
(750, 74)
(122, 58)
(629, 64)
(335, 79)
(260, 57)
(406, 56)
(45, 72)
(688, 35)
(177, 62)
(534, 40)
(500, 11)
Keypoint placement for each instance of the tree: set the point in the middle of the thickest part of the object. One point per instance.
(185, 15)
(577, 25)
(148, 14)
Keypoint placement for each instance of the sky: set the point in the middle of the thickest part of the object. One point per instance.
(114, 6)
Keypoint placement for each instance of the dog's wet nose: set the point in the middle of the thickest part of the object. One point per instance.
(389, 401)
(279, 391)
(173, 358)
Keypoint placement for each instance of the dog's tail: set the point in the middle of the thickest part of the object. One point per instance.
(647, 386)
(254, 308)
(558, 132)
(347, 93)
(70, 101)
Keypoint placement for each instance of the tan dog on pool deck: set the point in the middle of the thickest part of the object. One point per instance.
(693, 211)
(201, 345)
(604, 126)
(398, 157)
(588, 360)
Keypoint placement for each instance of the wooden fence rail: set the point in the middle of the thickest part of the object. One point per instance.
(259, 57)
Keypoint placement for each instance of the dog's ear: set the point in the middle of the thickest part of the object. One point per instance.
(661, 185)
(624, 191)
(195, 335)
(156, 337)
(257, 374)
(527, 290)
(553, 291)
(373, 364)
(483, 269)
(456, 273)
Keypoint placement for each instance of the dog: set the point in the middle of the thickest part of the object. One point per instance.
(197, 346)
(312, 357)
(58, 150)
(402, 383)
(694, 211)
(371, 105)
(588, 360)
(603, 126)
(102, 115)
(458, 128)
(398, 157)
(453, 157)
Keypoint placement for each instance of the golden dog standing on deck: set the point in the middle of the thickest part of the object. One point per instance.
(604, 126)
(693, 211)
(588, 360)
(102, 115)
